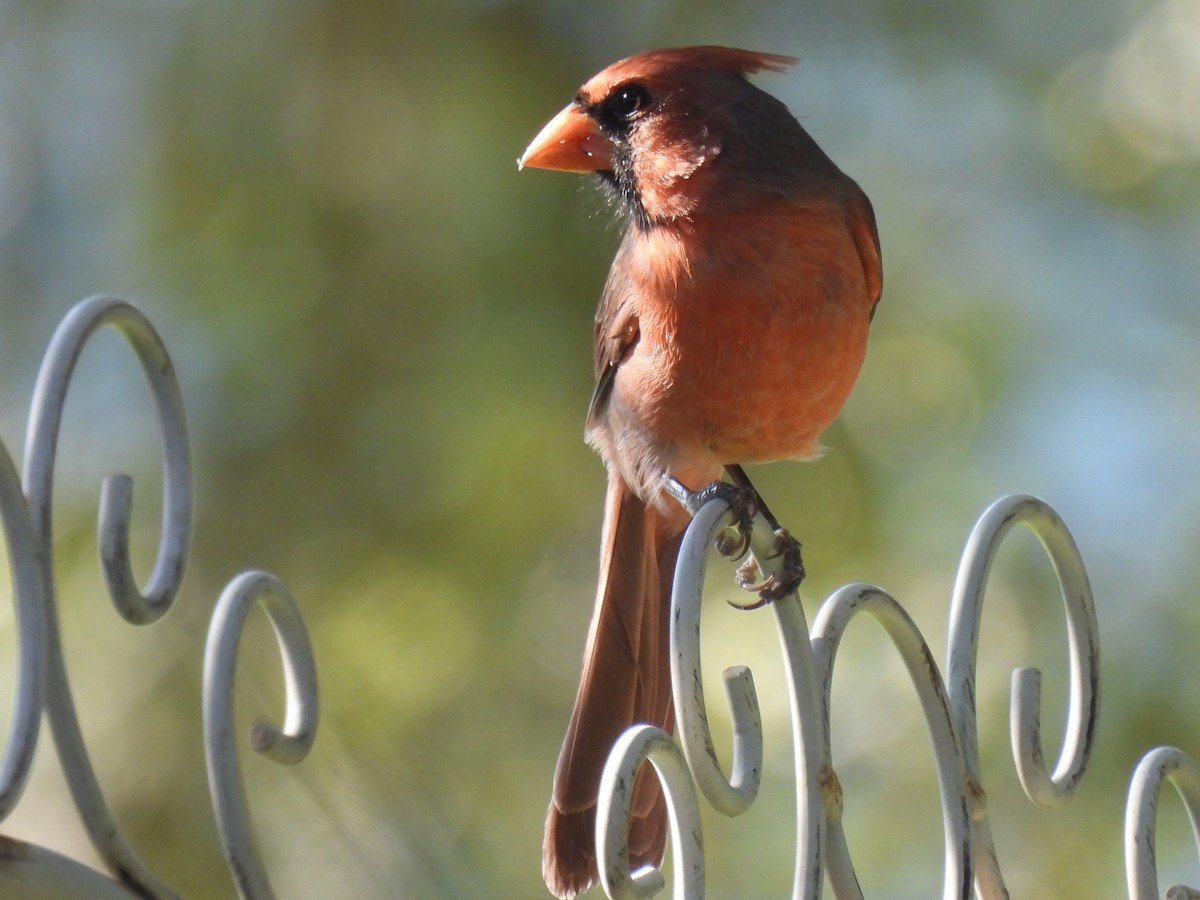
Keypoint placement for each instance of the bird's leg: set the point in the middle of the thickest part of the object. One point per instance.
(742, 499)
(742, 480)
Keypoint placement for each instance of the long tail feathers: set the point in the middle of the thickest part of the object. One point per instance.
(626, 680)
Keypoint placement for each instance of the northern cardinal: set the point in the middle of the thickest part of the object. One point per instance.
(731, 329)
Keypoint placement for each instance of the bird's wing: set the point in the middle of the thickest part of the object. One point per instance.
(616, 332)
(866, 239)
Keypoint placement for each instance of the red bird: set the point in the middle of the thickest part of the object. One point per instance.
(731, 329)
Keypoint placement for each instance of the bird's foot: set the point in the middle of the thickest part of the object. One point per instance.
(734, 542)
(789, 571)
(777, 584)
(781, 555)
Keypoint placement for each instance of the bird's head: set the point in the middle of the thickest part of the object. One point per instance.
(676, 132)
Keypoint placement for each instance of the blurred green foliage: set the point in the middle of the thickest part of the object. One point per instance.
(383, 334)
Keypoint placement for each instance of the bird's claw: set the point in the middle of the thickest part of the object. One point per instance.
(777, 585)
(732, 544)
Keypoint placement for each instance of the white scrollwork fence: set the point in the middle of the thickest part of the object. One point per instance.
(971, 864)
(686, 768)
(41, 677)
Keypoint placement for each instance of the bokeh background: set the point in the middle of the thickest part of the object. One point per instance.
(383, 334)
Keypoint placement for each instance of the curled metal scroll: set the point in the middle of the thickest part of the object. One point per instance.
(41, 681)
(116, 498)
(1083, 636)
(635, 746)
(41, 447)
(734, 795)
(835, 615)
(288, 745)
(948, 705)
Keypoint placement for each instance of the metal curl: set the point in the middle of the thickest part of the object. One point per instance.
(1141, 818)
(1043, 789)
(288, 745)
(635, 746)
(736, 793)
(29, 604)
(41, 445)
(116, 500)
(733, 795)
(828, 629)
(26, 513)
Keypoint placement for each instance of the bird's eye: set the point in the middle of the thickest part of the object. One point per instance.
(628, 100)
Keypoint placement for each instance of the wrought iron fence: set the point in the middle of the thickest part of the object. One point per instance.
(948, 703)
(41, 680)
(688, 768)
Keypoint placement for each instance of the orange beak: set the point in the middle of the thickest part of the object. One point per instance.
(570, 142)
